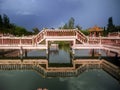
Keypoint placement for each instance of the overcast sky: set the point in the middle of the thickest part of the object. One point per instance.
(54, 13)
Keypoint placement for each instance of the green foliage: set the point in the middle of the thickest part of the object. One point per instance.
(86, 32)
(65, 26)
(35, 31)
(69, 24)
(6, 21)
(110, 26)
(78, 27)
(1, 22)
(19, 31)
(105, 32)
(4, 24)
(117, 28)
(8, 28)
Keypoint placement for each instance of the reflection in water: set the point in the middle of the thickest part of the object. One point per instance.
(86, 52)
(55, 52)
(60, 55)
(34, 53)
(28, 80)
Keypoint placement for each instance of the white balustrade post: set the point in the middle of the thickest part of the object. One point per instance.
(20, 41)
(74, 43)
(2, 39)
(46, 46)
(21, 52)
(100, 40)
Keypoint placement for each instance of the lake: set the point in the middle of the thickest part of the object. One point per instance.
(30, 80)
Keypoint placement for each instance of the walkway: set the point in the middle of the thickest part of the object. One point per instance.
(76, 37)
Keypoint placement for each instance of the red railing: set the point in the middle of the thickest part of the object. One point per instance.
(60, 33)
(115, 42)
(39, 37)
(15, 41)
(81, 37)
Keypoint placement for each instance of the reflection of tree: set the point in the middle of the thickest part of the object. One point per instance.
(65, 47)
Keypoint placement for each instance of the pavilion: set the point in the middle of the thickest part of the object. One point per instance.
(95, 31)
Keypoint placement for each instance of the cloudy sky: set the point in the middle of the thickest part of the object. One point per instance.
(54, 13)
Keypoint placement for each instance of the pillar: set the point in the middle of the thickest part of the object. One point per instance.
(90, 34)
(25, 53)
(3, 52)
(99, 54)
(116, 56)
(21, 53)
(47, 46)
(93, 53)
(73, 48)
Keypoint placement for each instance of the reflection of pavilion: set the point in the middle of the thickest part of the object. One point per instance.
(95, 31)
(95, 53)
(54, 48)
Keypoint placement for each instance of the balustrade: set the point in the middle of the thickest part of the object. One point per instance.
(58, 72)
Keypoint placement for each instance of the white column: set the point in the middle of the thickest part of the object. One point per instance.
(21, 53)
(74, 43)
(46, 46)
(73, 48)
(100, 40)
(20, 41)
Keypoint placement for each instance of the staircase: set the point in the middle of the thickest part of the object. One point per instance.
(81, 37)
(39, 37)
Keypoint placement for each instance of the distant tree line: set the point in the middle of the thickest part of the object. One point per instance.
(8, 28)
(71, 25)
(110, 27)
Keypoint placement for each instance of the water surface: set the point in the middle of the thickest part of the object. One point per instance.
(29, 80)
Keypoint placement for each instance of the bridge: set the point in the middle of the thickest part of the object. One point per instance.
(77, 38)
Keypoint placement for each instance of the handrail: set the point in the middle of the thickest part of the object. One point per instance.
(81, 37)
(38, 37)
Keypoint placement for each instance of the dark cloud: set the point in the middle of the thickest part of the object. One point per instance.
(53, 13)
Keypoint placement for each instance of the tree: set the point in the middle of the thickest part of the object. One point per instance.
(19, 31)
(78, 27)
(71, 23)
(104, 32)
(65, 26)
(1, 22)
(10, 28)
(117, 28)
(6, 21)
(110, 26)
(86, 32)
(36, 30)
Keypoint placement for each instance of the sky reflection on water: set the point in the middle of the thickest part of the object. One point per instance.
(29, 80)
